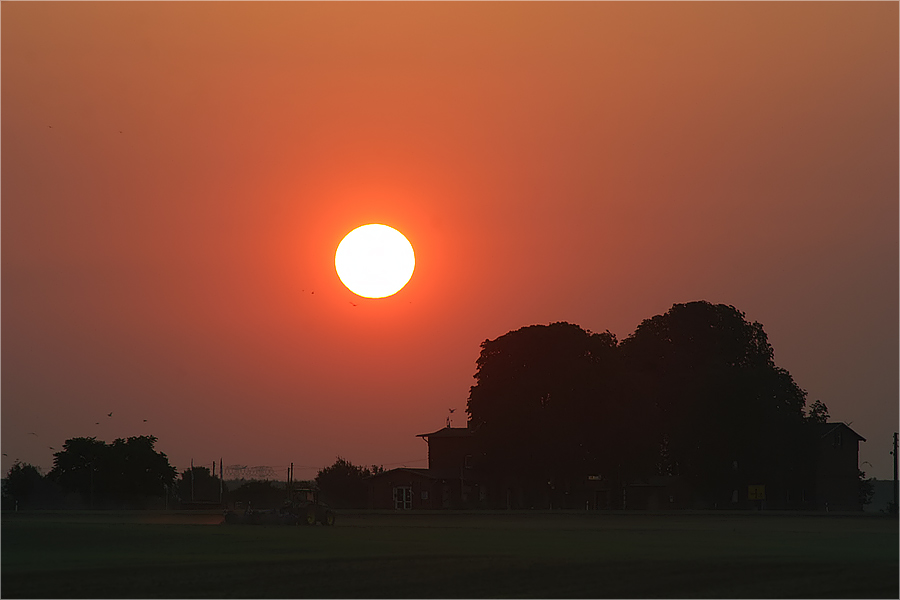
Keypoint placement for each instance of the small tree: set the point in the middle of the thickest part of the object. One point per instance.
(25, 487)
(817, 413)
(343, 484)
(197, 484)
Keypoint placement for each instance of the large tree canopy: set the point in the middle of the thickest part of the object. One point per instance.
(694, 392)
(121, 473)
(543, 399)
(718, 398)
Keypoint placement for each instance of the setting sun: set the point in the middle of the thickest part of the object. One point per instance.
(374, 261)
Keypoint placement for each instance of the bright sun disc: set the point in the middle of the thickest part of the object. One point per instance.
(374, 261)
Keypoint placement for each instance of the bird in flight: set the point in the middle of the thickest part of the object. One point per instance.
(108, 414)
(32, 433)
(145, 420)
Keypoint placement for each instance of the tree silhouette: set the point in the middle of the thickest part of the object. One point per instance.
(719, 403)
(76, 467)
(544, 406)
(343, 484)
(140, 470)
(817, 413)
(124, 473)
(694, 392)
(197, 484)
(25, 487)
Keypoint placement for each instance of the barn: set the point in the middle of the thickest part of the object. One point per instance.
(448, 482)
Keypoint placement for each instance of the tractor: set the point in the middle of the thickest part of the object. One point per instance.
(304, 505)
(302, 508)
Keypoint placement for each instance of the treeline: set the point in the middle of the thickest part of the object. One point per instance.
(694, 392)
(131, 474)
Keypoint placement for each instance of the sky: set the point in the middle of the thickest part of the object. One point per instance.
(177, 176)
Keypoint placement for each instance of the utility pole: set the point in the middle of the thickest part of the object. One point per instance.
(895, 472)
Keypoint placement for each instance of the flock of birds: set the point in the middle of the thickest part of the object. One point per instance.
(34, 433)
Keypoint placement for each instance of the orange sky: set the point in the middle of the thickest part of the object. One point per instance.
(177, 176)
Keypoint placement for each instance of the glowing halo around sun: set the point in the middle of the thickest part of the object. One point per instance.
(374, 261)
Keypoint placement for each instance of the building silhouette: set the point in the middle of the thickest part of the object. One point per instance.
(449, 482)
(452, 481)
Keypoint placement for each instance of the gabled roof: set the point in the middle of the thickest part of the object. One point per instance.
(420, 472)
(448, 432)
(435, 474)
(828, 428)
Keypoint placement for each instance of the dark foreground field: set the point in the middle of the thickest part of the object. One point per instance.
(547, 555)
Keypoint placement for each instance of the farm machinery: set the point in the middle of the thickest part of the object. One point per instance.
(302, 508)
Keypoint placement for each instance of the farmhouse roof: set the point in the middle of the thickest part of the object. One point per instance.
(448, 432)
(827, 428)
(436, 474)
(420, 472)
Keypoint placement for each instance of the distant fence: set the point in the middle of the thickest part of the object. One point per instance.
(245, 472)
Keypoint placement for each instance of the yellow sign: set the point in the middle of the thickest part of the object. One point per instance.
(756, 492)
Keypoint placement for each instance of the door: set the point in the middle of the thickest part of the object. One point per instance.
(403, 498)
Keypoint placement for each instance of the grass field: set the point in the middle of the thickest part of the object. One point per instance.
(451, 555)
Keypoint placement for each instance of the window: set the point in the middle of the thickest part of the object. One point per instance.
(424, 495)
(468, 461)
